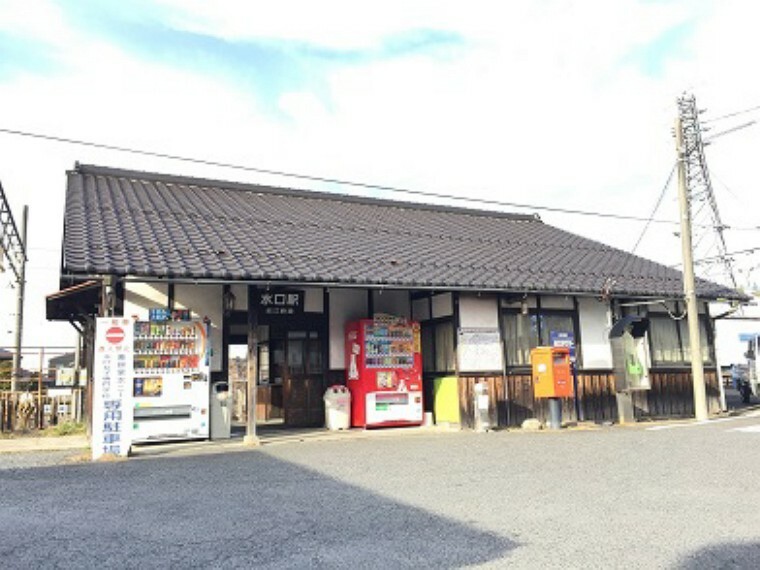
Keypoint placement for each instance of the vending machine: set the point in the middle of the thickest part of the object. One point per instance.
(384, 372)
(170, 384)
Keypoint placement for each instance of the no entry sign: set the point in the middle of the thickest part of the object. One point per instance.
(115, 335)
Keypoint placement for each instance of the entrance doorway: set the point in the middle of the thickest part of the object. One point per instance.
(290, 376)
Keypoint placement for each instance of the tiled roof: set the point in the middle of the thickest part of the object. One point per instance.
(142, 224)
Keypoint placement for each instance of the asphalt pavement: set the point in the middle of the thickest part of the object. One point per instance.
(672, 495)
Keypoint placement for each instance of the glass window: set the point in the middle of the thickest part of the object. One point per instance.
(521, 334)
(663, 336)
(704, 341)
(428, 348)
(315, 355)
(296, 361)
(555, 323)
(524, 332)
(666, 345)
(438, 346)
(263, 364)
(444, 347)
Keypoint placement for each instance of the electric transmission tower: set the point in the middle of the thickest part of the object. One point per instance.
(13, 250)
(711, 259)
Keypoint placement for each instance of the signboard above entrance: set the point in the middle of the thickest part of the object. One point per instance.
(280, 303)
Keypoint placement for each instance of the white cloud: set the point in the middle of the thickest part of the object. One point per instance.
(543, 103)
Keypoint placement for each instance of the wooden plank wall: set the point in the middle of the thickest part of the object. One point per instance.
(512, 401)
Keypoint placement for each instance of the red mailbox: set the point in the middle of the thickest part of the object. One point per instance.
(552, 376)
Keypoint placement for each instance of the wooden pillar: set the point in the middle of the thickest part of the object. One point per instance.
(253, 366)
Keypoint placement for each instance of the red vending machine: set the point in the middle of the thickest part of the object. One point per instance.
(384, 372)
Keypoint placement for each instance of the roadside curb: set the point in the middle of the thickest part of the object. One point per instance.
(53, 443)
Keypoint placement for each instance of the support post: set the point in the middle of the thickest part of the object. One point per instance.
(555, 413)
(16, 372)
(692, 313)
(41, 408)
(252, 369)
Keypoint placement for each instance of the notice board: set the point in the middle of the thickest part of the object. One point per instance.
(479, 350)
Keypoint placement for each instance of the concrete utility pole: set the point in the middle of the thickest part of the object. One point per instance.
(16, 373)
(692, 312)
(252, 370)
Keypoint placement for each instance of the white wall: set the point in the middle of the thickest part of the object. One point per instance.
(517, 304)
(139, 297)
(443, 305)
(346, 305)
(556, 302)
(392, 302)
(478, 312)
(204, 301)
(595, 323)
(313, 300)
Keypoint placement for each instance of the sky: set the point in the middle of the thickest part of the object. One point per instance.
(546, 103)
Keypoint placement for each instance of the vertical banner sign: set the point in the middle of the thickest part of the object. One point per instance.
(112, 387)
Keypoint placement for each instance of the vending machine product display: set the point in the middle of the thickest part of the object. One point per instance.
(170, 385)
(384, 372)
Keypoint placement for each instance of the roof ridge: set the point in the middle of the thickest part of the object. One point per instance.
(96, 170)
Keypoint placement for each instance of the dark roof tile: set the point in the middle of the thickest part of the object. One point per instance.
(144, 224)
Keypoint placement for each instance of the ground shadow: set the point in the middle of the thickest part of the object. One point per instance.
(242, 510)
(726, 555)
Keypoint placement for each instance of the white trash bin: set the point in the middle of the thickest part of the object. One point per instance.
(337, 408)
(220, 405)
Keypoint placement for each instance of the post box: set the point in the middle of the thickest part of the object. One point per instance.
(552, 377)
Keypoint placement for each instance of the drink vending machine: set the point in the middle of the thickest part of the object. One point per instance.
(384, 372)
(170, 378)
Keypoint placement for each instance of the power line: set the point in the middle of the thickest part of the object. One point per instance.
(734, 114)
(656, 207)
(747, 251)
(324, 179)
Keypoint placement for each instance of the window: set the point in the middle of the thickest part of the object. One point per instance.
(524, 332)
(669, 340)
(438, 346)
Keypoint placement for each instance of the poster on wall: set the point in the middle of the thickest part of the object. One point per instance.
(112, 387)
(479, 350)
(563, 339)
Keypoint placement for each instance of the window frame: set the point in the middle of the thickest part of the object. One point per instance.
(431, 326)
(680, 326)
(540, 313)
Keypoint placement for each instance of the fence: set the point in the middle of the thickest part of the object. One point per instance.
(25, 411)
(47, 390)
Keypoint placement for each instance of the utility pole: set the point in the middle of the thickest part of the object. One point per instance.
(692, 312)
(20, 302)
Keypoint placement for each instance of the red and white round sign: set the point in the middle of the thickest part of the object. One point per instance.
(115, 335)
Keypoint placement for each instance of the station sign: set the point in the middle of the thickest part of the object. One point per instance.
(280, 303)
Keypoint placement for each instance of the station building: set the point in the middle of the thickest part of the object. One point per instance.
(235, 254)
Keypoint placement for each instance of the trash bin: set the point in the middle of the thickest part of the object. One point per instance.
(481, 407)
(220, 411)
(337, 408)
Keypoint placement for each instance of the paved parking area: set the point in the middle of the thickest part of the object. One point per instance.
(607, 498)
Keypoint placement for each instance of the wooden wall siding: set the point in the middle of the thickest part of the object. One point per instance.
(596, 393)
(672, 395)
(512, 401)
(496, 408)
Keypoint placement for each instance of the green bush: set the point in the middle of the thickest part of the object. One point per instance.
(66, 428)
